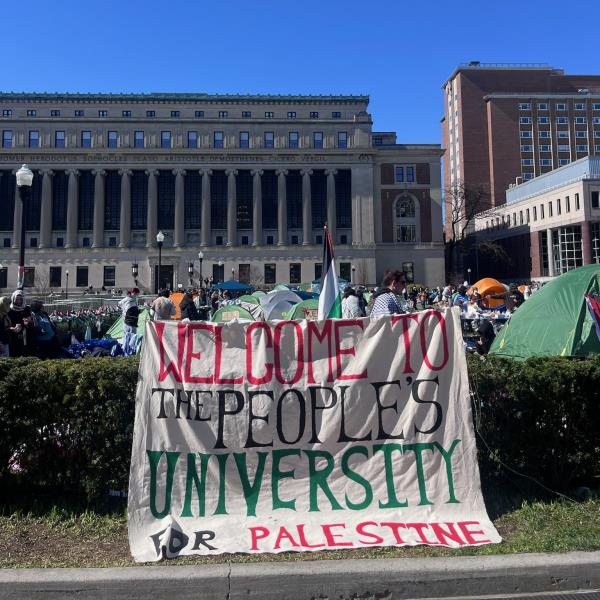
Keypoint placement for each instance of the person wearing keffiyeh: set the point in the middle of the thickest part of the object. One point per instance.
(23, 323)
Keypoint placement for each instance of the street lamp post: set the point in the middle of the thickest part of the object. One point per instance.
(221, 271)
(353, 278)
(24, 183)
(469, 275)
(232, 273)
(67, 287)
(200, 258)
(191, 271)
(134, 272)
(160, 238)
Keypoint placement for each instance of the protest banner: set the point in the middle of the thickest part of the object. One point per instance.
(270, 437)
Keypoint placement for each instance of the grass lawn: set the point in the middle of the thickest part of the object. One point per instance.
(59, 538)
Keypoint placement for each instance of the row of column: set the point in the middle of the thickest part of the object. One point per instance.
(45, 240)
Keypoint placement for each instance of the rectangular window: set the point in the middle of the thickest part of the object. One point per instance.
(79, 113)
(31, 113)
(562, 120)
(29, 280)
(581, 148)
(579, 105)
(527, 176)
(410, 174)
(223, 114)
(291, 114)
(293, 139)
(150, 114)
(378, 141)
(541, 211)
(7, 139)
(270, 240)
(542, 106)
(581, 134)
(244, 139)
(399, 174)
(3, 277)
(138, 140)
(192, 139)
(269, 139)
(595, 199)
(558, 211)
(550, 208)
(563, 148)
(527, 162)
(563, 161)
(336, 115)
(545, 162)
(103, 113)
(7, 112)
(562, 134)
(199, 114)
(580, 120)
(113, 139)
(525, 134)
(218, 139)
(313, 114)
(268, 114)
(246, 114)
(318, 139)
(126, 113)
(543, 120)
(525, 120)
(59, 139)
(535, 213)
(34, 139)
(576, 201)
(526, 148)
(55, 113)
(596, 120)
(295, 270)
(109, 277)
(596, 106)
(165, 139)
(175, 114)
(597, 134)
(86, 139)
(520, 217)
(544, 134)
(82, 277)
(270, 273)
(561, 106)
(55, 274)
(545, 148)
(567, 204)
(342, 139)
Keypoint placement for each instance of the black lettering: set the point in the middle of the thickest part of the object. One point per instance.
(301, 416)
(250, 442)
(314, 408)
(202, 537)
(239, 404)
(161, 413)
(382, 434)
(344, 437)
(438, 407)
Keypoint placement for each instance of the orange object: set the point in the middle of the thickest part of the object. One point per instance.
(176, 298)
(486, 287)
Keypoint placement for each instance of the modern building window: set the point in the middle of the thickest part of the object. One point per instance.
(291, 114)
(113, 139)
(244, 139)
(7, 112)
(561, 106)
(79, 113)
(295, 272)
(541, 211)
(596, 120)
(138, 139)
(542, 106)
(109, 277)
(596, 106)
(270, 273)
(544, 134)
(246, 114)
(150, 114)
(336, 115)
(524, 106)
(55, 277)
(342, 139)
(293, 139)
(563, 161)
(318, 139)
(192, 139)
(86, 139)
(55, 113)
(218, 139)
(562, 120)
(126, 113)
(525, 134)
(581, 148)
(562, 134)
(525, 120)
(545, 162)
(34, 139)
(7, 139)
(576, 201)
(567, 204)
(165, 139)
(199, 114)
(313, 114)
(550, 208)
(597, 134)
(31, 112)
(535, 213)
(103, 113)
(543, 120)
(595, 199)
(527, 162)
(563, 147)
(269, 114)
(175, 114)
(581, 134)
(579, 105)
(405, 220)
(269, 139)
(526, 148)
(545, 148)
(223, 114)
(82, 277)
(580, 120)
(527, 176)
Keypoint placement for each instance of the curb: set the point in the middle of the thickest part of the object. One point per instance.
(324, 580)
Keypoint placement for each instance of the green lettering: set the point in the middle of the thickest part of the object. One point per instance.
(154, 457)
(277, 474)
(388, 450)
(354, 476)
(192, 481)
(251, 491)
(418, 450)
(318, 479)
(448, 460)
(221, 507)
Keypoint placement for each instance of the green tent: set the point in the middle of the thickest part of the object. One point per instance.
(555, 320)
(258, 294)
(231, 312)
(116, 330)
(307, 309)
(282, 287)
(249, 298)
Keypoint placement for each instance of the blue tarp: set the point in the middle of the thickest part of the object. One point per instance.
(233, 286)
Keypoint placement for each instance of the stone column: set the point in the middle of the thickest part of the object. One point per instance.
(586, 243)
(179, 208)
(231, 208)
(257, 230)
(550, 253)
(17, 216)
(152, 218)
(306, 208)
(331, 208)
(98, 233)
(205, 231)
(125, 216)
(282, 230)
(46, 210)
(72, 208)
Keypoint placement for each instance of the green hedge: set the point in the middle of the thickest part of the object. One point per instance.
(66, 426)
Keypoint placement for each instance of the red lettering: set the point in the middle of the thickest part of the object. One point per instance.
(469, 533)
(284, 534)
(360, 528)
(405, 320)
(253, 379)
(339, 351)
(257, 533)
(446, 534)
(312, 329)
(218, 354)
(330, 536)
(395, 527)
(442, 324)
(173, 368)
(303, 540)
(419, 527)
(191, 355)
(288, 360)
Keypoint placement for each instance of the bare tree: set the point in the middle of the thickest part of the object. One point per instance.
(256, 277)
(360, 272)
(42, 283)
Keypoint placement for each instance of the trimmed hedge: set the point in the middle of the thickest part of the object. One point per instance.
(66, 426)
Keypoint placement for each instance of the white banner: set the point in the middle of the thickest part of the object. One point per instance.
(270, 437)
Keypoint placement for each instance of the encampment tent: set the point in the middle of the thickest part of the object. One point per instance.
(234, 286)
(555, 321)
(116, 330)
(489, 286)
(231, 312)
(307, 309)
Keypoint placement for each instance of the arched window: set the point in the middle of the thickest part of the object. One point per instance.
(406, 219)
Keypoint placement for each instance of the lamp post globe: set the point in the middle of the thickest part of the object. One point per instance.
(200, 258)
(232, 273)
(24, 183)
(221, 271)
(67, 286)
(160, 238)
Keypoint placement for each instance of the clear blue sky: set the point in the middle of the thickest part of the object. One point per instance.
(398, 52)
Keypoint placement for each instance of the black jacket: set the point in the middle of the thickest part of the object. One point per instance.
(188, 308)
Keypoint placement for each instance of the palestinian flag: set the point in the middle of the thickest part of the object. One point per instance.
(330, 302)
(593, 305)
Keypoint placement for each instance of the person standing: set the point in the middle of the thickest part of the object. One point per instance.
(47, 344)
(188, 308)
(130, 311)
(22, 320)
(163, 308)
(5, 327)
(386, 302)
(350, 305)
